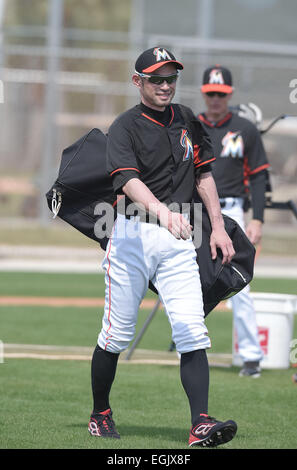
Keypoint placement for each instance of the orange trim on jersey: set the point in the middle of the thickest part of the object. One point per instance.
(157, 122)
(172, 115)
(246, 173)
(151, 119)
(206, 121)
(117, 200)
(260, 168)
(196, 154)
(217, 124)
(207, 161)
(222, 121)
(121, 169)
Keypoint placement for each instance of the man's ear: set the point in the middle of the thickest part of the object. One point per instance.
(230, 96)
(136, 80)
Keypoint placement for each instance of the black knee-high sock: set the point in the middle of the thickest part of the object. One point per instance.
(194, 372)
(103, 369)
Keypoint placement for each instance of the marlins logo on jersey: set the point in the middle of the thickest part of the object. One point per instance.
(186, 142)
(233, 146)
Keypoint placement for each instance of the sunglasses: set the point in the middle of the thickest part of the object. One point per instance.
(159, 79)
(218, 93)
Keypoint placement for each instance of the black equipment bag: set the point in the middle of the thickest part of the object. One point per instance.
(83, 182)
(220, 282)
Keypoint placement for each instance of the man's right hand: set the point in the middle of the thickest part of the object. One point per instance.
(176, 224)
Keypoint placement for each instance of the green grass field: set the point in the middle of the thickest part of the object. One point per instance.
(45, 404)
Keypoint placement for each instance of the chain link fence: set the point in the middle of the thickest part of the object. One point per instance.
(59, 82)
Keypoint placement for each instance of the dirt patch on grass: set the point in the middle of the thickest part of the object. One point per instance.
(83, 353)
(63, 301)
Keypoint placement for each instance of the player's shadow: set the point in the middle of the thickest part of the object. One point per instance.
(163, 433)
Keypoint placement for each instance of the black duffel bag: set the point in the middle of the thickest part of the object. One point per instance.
(82, 183)
(220, 282)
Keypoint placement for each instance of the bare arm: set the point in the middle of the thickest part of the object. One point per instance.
(219, 238)
(175, 223)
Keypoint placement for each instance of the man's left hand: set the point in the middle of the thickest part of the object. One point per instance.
(254, 231)
(220, 239)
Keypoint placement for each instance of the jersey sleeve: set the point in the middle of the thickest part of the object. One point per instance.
(202, 147)
(258, 185)
(255, 166)
(121, 159)
(255, 155)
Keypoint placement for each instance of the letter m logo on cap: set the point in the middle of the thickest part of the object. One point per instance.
(161, 54)
(216, 76)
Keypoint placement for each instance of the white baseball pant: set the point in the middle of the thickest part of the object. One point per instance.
(244, 314)
(136, 253)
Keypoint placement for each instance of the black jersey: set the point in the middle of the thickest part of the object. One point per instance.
(239, 153)
(165, 155)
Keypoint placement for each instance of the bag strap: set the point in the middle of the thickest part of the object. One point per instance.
(56, 203)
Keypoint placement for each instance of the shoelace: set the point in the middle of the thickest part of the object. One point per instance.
(210, 418)
(105, 420)
(205, 418)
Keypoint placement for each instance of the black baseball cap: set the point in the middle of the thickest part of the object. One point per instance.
(152, 59)
(217, 78)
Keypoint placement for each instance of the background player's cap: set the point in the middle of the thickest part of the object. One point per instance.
(152, 59)
(217, 78)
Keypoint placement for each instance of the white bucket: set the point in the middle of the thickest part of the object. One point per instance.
(275, 320)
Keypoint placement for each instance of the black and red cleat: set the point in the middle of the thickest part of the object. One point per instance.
(209, 432)
(102, 425)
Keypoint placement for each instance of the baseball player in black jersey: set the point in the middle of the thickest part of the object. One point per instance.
(239, 171)
(155, 158)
